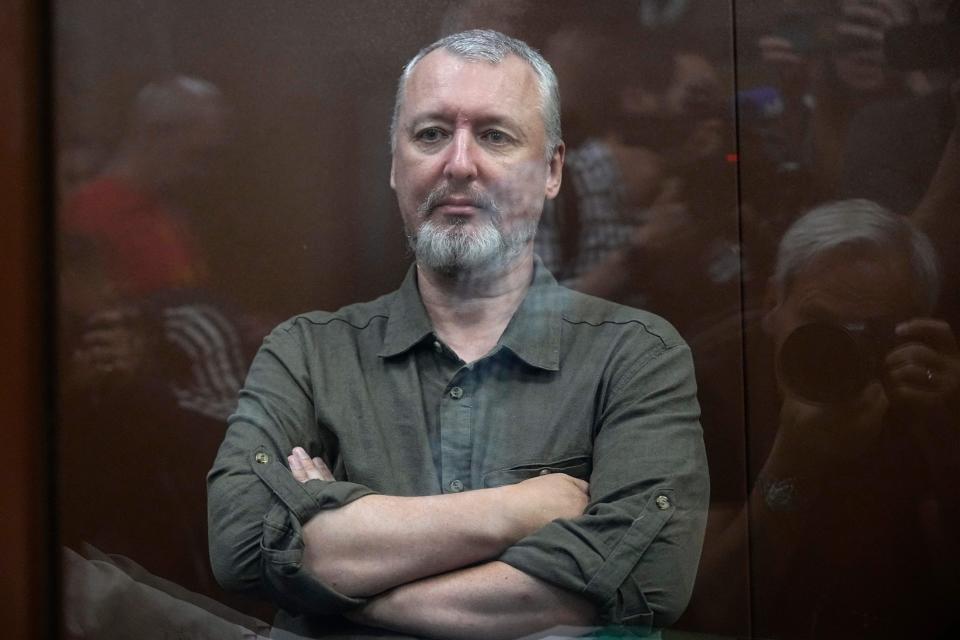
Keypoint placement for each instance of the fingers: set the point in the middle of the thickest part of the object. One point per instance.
(879, 14)
(778, 50)
(917, 396)
(867, 35)
(583, 485)
(305, 468)
(296, 466)
(323, 469)
(936, 334)
(918, 373)
(113, 316)
(110, 349)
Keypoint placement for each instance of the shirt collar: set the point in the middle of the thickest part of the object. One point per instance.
(408, 323)
(533, 333)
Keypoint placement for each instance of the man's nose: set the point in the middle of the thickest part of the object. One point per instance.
(461, 161)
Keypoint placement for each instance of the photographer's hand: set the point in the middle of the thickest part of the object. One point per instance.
(792, 65)
(925, 369)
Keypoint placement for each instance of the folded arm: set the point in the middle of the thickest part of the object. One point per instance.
(439, 535)
(490, 600)
(378, 542)
(319, 546)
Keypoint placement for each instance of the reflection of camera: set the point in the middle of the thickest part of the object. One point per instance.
(828, 363)
(926, 45)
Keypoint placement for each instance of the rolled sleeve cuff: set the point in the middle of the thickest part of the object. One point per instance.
(573, 554)
(285, 578)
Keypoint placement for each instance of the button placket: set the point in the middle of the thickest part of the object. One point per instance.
(456, 438)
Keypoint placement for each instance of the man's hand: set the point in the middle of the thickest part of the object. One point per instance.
(792, 65)
(306, 468)
(924, 371)
(859, 59)
(112, 344)
(536, 502)
(531, 504)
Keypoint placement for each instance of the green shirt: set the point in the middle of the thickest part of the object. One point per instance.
(576, 385)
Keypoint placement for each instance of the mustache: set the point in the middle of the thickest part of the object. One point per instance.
(441, 192)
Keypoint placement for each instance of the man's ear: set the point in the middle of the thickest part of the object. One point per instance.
(555, 171)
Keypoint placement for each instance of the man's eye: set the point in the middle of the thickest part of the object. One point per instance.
(430, 134)
(496, 137)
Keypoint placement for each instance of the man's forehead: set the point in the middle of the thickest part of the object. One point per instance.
(443, 78)
(846, 285)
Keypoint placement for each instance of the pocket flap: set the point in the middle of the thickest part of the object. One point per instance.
(576, 466)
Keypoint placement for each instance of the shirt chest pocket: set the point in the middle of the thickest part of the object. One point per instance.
(576, 466)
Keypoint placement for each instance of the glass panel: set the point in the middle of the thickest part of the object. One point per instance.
(223, 165)
(848, 148)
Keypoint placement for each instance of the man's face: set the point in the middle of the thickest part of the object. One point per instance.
(184, 152)
(469, 165)
(842, 287)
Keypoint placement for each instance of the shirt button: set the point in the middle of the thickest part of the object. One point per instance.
(456, 486)
(261, 458)
(456, 393)
(544, 472)
(437, 346)
(663, 503)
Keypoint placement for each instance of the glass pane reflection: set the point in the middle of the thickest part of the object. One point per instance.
(759, 173)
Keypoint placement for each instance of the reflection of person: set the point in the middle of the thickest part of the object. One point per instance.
(133, 211)
(855, 510)
(830, 62)
(133, 273)
(648, 178)
(937, 211)
(893, 148)
(152, 362)
(441, 439)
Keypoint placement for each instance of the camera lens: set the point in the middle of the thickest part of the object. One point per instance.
(824, 363)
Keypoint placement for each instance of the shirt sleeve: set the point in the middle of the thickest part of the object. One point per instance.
(255, 506)
(635, 551)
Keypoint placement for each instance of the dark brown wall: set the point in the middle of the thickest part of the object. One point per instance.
(23, 473)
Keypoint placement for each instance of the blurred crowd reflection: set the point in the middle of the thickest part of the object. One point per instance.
(151, 356)
(779, 179)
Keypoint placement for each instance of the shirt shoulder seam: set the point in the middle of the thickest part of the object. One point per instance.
(601, 323)
(288, 326)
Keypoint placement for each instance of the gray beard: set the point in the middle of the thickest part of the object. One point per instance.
(452, 248)
(455, 248)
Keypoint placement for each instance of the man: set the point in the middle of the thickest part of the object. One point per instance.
(853, 438)
(862, 465)
(463, 415)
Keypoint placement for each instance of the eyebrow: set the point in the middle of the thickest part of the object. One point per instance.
(483, 121)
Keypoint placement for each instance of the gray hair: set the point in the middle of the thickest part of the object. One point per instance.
(492, 46)
(175, 100)
(858, 223)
